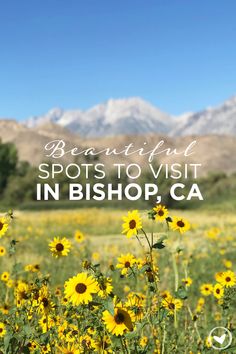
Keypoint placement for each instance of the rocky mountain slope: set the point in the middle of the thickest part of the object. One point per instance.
(136, 116)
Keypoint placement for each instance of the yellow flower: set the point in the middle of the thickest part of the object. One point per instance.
(46, 322)
(5, 276)
(208, 342)
(60, 247)
(3, 226)
(87, 343)
(2, 251)
(44, 302)
(179, 224)
(132, 223)
(79, 236)
(166, 295)
(80, 288)
(143, 341)
(161, 212)
(218, 291)
(103, 345)
(32, 346)
(126, 261)
(118, 323)
(5, 309)
(70, 349)
(34, 268)
(227, 263)
(105, 287)
(187, 281)
(95, 256)
(213, 233)
(2, 329)
(206, 289)
(172, 304)
(135, 303)
(200, 304)
(21, 293)
(227, 279)
(46, 349)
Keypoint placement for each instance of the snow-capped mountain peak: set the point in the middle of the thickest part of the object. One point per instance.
(137, 116)
(116, 116)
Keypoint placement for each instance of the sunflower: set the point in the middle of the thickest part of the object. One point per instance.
(105, 287)
(103, 345)
(79, 236)
(135, 303)
(132, 223)
(126, 261)
(161, 212)
(187, 281)
(179, 224)
(118, 323)
(218, 291)
(46, 349)
(87, 343)
(200, 304)
(46, 322)
(3, 226)
(227, 279)
(21, 293)
(80, 288)
(5, 276)
(5, 309)
(2, 251)
(227, 263)
(70, 349)
(32, 346)
(143, 341)
(44, 303)
(206, 289)
(60, 247)
(172, 304)
(2, 329)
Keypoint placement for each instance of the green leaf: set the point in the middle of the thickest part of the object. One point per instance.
(181, 293)
(160, 243)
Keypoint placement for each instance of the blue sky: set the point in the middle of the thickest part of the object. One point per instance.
(179, 55)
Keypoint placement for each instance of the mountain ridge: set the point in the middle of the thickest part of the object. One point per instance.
(136, 116)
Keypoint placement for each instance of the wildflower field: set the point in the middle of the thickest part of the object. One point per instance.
(112, 281)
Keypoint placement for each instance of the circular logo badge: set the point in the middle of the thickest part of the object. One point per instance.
(220, 338)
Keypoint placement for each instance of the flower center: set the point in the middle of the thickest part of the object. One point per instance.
(160, 212)
(59, 247)
(228, 279)
(180, 223)
(1, 330)
(171, 306)
(127, 264)
(132, 224)
(217, 291)
(45, 302)
(119, 318)
(1, 225)
(80, 288)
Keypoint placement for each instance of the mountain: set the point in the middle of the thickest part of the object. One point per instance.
(219, 120)
(120, 116)
(136, 116)
(215, 153)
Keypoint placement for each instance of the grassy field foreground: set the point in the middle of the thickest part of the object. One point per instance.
(71, 282)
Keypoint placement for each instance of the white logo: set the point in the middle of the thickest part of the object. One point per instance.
(220, 338)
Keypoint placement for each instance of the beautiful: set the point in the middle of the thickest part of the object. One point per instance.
(57, 149)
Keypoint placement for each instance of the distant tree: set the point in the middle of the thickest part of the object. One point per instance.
(8, 163)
